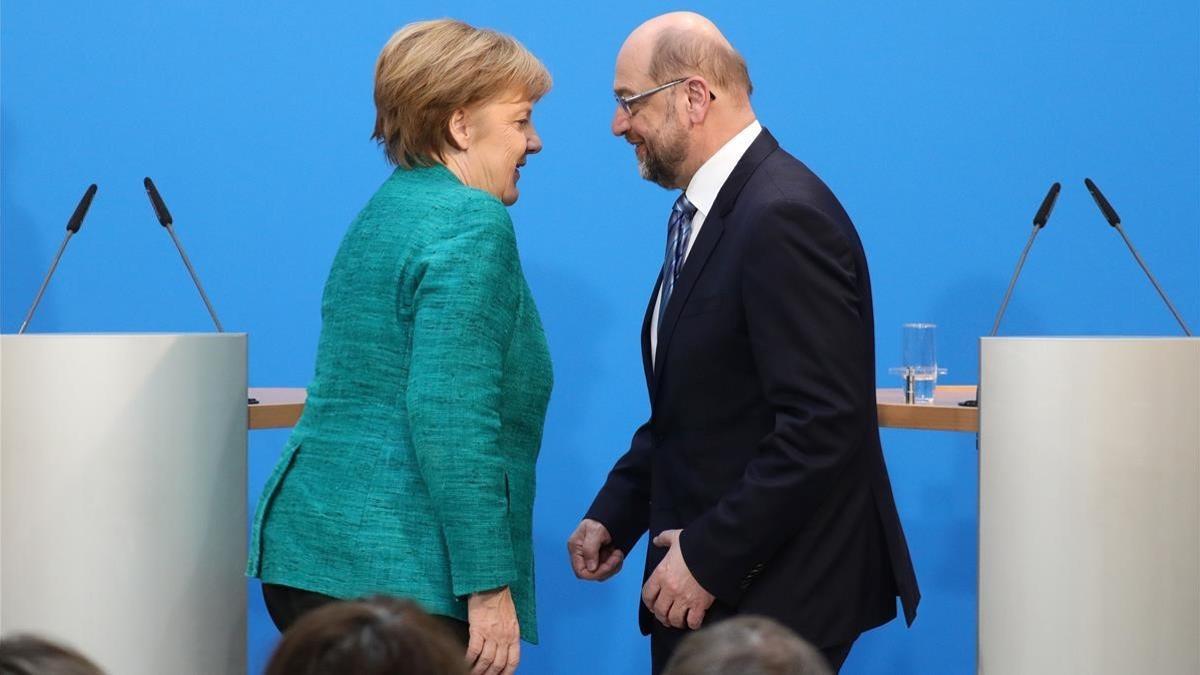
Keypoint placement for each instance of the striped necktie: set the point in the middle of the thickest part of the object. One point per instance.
(679, 231)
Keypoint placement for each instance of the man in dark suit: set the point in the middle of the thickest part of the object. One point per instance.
(759, 474)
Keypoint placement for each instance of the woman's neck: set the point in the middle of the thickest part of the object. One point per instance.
(457, 162)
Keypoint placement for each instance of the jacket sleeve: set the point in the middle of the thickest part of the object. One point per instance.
(464, 308)
(623, 504)
(801, 304)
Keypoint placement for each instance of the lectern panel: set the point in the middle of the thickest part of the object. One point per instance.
(1089, 515)
(123, 498)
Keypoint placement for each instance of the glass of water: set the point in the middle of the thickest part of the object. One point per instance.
(919, 359)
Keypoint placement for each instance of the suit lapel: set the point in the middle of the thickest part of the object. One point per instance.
(762, 146)
(710, 234)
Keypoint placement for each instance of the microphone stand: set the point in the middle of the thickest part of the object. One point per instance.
(73, 225)
(1013, 282)
(45, 283)
(1039, 221)
(1154, 281)
(165, 219)
(192, 271)
(1110, 214)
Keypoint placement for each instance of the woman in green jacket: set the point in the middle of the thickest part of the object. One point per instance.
(411, 471)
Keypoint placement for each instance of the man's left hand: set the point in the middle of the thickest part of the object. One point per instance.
(672, 593)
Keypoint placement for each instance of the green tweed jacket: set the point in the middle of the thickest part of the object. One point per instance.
(411, 471)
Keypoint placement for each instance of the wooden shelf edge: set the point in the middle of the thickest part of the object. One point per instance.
(280, 408)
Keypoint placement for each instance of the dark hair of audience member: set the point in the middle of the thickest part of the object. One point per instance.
(746, 645)
(31, 655)
(373, 636)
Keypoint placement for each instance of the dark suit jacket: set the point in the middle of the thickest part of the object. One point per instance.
(763, 437)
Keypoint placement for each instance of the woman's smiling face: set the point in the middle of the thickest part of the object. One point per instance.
(501, 136)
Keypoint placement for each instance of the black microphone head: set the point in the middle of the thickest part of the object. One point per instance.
(81, 210)
(1043, 212)
(160, 209)
(1109, 212)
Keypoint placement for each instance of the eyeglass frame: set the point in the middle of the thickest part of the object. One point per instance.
(626, 102)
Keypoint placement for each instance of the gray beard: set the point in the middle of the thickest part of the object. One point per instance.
(661, 166)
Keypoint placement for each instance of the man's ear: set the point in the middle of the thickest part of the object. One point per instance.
(698, 99)
(459, 130)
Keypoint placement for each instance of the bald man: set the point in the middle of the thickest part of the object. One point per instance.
(759, 474)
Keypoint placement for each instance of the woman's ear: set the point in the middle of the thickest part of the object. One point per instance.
(460, 129)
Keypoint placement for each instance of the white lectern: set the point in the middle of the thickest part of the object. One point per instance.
(123, 498)
(1089, 506)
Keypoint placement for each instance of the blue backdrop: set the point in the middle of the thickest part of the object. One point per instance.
(939, 124)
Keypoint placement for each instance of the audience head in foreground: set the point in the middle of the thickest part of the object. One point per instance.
(746, 645)
(30, 655)
(374, 636)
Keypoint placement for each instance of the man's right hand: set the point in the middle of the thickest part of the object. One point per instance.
(593, 557)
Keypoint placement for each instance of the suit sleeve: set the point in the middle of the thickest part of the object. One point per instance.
(623, 504)
(465, 306)
(801, 304)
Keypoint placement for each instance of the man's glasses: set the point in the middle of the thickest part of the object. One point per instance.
(626, 102)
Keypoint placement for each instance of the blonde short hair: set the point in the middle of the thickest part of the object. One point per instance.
(429, 69)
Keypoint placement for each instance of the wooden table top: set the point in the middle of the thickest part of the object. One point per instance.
(280, 407)
(277, 407)
(944, 414)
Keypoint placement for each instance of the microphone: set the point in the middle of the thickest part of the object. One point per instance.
(1115, 221)
(164, 219)
(73, 225)
(1043, 212)
(81, 209)
(160, 209)
(1039, 221)
(1110, 214)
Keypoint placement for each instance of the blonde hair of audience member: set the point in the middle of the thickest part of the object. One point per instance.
(373, 636)
(746, 645)
(31, 655)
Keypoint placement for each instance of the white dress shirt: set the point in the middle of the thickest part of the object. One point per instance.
(702, 192)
